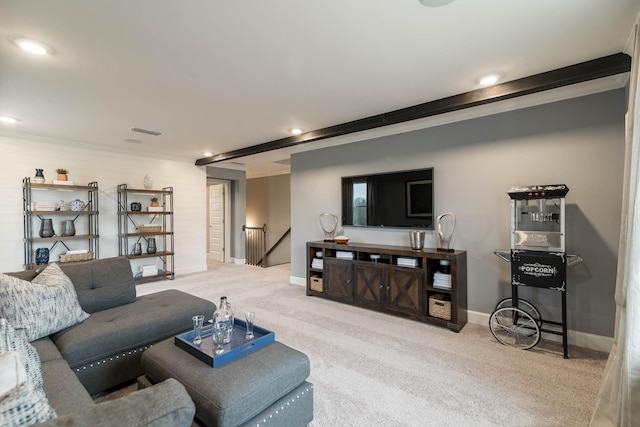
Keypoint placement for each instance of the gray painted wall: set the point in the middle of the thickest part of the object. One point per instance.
(238, 201)
(578, 142)
(269, 202)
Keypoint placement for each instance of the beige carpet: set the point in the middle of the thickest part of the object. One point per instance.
(371, 369)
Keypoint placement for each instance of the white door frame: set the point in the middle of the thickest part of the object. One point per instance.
(227, 216)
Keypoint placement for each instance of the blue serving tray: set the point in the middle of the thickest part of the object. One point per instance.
(238, 347)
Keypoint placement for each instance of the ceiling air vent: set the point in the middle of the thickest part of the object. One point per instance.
(148, 132)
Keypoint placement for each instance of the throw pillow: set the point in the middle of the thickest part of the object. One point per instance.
(20, 404)
(45, 305)
(10, 341)
(12, 372)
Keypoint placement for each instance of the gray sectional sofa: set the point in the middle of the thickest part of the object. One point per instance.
(104, 350)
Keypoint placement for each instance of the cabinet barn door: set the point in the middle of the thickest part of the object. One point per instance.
(368, 284)
(338, 278)
(405, 290)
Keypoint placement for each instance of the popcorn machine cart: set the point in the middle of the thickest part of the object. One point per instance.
(538, 259)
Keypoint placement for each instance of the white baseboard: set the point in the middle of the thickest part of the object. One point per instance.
(581, 339)
(300, 281)
(192, 269)
(239, 261)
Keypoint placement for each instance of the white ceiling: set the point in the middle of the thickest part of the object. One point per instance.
(215, 75)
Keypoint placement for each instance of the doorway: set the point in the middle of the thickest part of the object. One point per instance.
(218, 233)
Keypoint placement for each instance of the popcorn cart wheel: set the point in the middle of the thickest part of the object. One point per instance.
(515, 327)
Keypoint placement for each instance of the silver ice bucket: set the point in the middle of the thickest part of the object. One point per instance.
(417, 239)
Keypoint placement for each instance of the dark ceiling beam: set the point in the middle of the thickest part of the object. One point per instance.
(578, 73)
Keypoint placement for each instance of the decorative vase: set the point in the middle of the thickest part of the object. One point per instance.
(151, 245)
(39, 178)
(154, 203)
(42, 256)
(148, 182)
(329, 224)
(446, 224)
(77, 205)
(46, 228)
(69, 229)
(137, 249)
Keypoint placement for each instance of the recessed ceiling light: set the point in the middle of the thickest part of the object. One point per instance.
(435, 3)
(32, 46)
(208, 154)
(489, 80)
(8, 120)
(296, 131)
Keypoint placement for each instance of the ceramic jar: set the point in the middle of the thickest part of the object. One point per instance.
(42, 256)
(77, 205)
(46, 228)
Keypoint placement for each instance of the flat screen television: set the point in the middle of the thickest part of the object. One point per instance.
(392, 199)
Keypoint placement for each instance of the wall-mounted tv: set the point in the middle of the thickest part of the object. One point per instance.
(392, 199)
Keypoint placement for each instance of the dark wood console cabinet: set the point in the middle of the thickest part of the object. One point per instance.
(370, 277)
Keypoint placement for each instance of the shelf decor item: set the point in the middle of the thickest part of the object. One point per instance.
(42, 256)
(154, 202)
(68, 228)
(329, 224)
(77, 205)
(76, 257)
(46, 228)
(137, 249)
(446, 224)
(136, 207)
(39, 178)
(148, 182)
(62, 174)
(151, 245)
(416, 238)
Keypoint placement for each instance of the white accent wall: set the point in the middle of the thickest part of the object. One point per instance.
(22, 155)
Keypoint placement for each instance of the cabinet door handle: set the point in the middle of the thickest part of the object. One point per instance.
(381, 286)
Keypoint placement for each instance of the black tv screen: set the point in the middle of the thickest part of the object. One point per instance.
(393, 199)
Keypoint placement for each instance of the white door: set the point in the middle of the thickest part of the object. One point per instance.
(216, 222)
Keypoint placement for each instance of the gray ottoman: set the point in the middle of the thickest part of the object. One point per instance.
(265, 388)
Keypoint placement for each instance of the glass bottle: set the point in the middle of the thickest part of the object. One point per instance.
(223, 315)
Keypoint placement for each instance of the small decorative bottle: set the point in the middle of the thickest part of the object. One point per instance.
(223, 315)
(39, 178)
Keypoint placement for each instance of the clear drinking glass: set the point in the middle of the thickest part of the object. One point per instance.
(219, 332)
(250, 316)
(198, 321)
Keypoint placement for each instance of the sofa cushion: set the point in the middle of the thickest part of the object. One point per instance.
(46, 350)
(149, 319)
(102, 284)
(20, 404)
(63, 388)
(41, 307)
